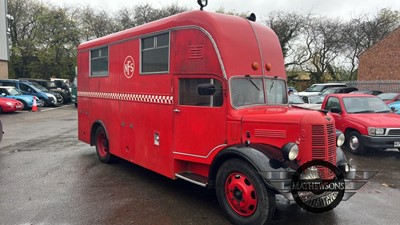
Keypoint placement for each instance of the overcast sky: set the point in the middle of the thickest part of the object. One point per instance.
(344, 9)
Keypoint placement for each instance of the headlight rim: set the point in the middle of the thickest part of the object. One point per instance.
(340, 138)
(290, 151)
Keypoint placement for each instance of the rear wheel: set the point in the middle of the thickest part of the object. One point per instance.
(243, 195)
(102, 146)
(353, 143)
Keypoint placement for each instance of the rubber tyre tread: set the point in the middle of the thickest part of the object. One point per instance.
(266, 204)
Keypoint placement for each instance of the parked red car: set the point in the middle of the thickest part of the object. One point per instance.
(366, 121)
(10, 105)
(389, 97)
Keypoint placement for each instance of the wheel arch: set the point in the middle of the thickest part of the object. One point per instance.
(258, 158)
(96, 125)
(348, 130)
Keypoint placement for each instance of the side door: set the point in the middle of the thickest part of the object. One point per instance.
(199, 121)
(25, 89)
(334, 102)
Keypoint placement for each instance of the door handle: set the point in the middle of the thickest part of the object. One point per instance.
(177, 110)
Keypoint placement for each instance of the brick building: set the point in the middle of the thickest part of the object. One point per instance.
(382, 60)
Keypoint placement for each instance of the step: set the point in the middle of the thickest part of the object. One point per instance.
(193, 178)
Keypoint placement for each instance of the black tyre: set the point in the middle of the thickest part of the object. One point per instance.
(42, 102)
(243, 195)
(353, 143)
(102, 146)
(25, 104)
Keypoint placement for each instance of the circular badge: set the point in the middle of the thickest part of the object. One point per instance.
(318, 186)
(129, 66)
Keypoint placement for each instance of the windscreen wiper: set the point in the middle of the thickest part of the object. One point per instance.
(272, 84)
(251, 81)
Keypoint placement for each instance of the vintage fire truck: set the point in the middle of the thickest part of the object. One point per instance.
(201, 96)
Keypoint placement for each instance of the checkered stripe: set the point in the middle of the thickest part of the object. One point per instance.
(160, 99)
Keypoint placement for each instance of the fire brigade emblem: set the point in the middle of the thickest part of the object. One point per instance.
(129, 66)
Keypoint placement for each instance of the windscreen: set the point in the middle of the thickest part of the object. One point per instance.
(251, 90)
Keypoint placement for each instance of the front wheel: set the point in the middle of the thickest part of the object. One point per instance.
(353, 143)
(41, 102)
(243, 195)
(102, 146)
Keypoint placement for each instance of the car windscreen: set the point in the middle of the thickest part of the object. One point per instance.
(13, 91)
(295, 99)
(314, 88)
(329, 91)
(52, 84)
(387, 96)
(365, 105)
(38, 87)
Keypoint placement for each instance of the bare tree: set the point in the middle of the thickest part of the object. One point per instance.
(323, 43)
(363, 32)
(95, 24)
(288, 26)
(144, 13)
(125, 18)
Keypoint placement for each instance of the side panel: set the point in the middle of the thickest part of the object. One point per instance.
(84, 124)
(135, 109)
(196, 53)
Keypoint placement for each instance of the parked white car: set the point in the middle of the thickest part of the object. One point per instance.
(316, 89)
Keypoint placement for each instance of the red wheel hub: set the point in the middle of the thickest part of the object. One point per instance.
(241, 194)
(102, 144)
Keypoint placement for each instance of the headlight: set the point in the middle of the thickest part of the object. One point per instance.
(339, 138)
(9, 103)
(290, 151)
(376, 131)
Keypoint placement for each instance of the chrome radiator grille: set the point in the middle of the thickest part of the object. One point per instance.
(323, 143)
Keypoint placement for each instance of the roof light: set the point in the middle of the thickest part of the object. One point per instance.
(255, 65)
(268, 66)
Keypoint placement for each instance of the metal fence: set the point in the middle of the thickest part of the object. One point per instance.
(376, 85)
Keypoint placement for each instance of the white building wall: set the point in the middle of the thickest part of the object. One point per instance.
(3, 31)
(4, 56)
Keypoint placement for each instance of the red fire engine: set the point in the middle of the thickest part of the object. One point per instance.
(202, 97)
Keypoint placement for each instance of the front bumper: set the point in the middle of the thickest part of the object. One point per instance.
(379, 142)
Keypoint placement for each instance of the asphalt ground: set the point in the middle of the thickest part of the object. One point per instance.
(48, 177)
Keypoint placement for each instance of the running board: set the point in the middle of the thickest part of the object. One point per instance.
(193, 178)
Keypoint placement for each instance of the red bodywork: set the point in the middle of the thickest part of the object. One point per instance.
(144, 121)
(10, 105)
(378, 118)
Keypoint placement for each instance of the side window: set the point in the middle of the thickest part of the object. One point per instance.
(8, 84)
(24, 87)
(155, 54)
(99, 62)
(332, 102)
(188, 93)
